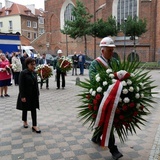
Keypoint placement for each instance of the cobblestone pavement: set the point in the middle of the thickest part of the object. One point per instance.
(63, 137)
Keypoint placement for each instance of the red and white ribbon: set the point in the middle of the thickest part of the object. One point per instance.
(102, 62)
(107, 110)
(109, 103)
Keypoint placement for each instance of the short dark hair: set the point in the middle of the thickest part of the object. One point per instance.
(29, 60)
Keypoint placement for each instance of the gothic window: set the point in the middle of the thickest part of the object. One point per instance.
(68, 12)
(126, 8)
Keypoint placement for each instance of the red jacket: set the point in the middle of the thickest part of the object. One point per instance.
(4, 75)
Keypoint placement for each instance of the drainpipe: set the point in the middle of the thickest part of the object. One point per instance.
(155, 31)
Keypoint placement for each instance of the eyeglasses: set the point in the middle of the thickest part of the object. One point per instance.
(33, 64)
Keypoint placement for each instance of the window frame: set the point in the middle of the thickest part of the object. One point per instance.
(34, 23)
(28, 23)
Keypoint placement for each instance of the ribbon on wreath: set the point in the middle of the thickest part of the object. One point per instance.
(41, 73)
(108, 106)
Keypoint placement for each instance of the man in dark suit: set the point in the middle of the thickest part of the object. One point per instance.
(43, 60)
(81, 62)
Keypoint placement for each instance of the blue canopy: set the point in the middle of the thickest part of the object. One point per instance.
(9, 43)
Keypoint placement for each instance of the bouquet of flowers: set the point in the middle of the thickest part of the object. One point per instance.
(14, 66)
(116, 100)
(44, 71)
(65, 64)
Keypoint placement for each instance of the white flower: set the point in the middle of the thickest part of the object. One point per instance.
(124, 83)
(97, 75)
(141, 84)
(108, 71)
(105, 83)
(114, 80)
(111, 75)
(129, 82)
(90, 91)
(142, 95)
(98, 79)
(93, 93)
(104, 92)
(99, 89)
(125, 91)
(126, 100)
(132, 74)
(137, 89)
(138, 106)
(131, 89)
(120, 99)
(137, 95)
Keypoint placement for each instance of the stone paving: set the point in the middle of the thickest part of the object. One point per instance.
(63, 137)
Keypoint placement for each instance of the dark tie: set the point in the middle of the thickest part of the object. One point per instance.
(109, 63)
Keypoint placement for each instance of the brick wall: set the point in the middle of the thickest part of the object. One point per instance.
(147, 46)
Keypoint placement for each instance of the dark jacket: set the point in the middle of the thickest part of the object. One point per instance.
(81, 59)
(41, 61)
(75, 59)
(28, 88)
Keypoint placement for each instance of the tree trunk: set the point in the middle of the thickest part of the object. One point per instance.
(85, 44)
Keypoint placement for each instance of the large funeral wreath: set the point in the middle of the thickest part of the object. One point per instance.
(116, 98)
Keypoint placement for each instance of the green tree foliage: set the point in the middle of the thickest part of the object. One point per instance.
(80, 25)
(134, 26)
(102, 28)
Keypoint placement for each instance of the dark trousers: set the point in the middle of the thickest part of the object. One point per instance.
(74, 69)
(16, 78)
(33, 115)
(62, 74)
(111, 144)
(47, 83)
(81, 67)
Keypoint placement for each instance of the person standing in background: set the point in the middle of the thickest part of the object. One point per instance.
(5, 75)
(23, 58)
(75, 63)
(58, 70)
(43, 60)
(81, 62)
(17, 67)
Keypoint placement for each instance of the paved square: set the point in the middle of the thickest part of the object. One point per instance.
(63, 137)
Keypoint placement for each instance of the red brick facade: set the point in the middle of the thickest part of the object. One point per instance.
(147, 46)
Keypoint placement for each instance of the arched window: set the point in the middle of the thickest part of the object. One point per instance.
(68, 12)
(126, 8)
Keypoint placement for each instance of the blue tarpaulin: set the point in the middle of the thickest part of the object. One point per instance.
(9, 43)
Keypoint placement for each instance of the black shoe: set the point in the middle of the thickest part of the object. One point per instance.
(33, 130)
(47, 87)
(96, 140)
(116, 154)
(25, 126)
(62, 87)
(6, 95)
(57, 88)
(2, 96)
